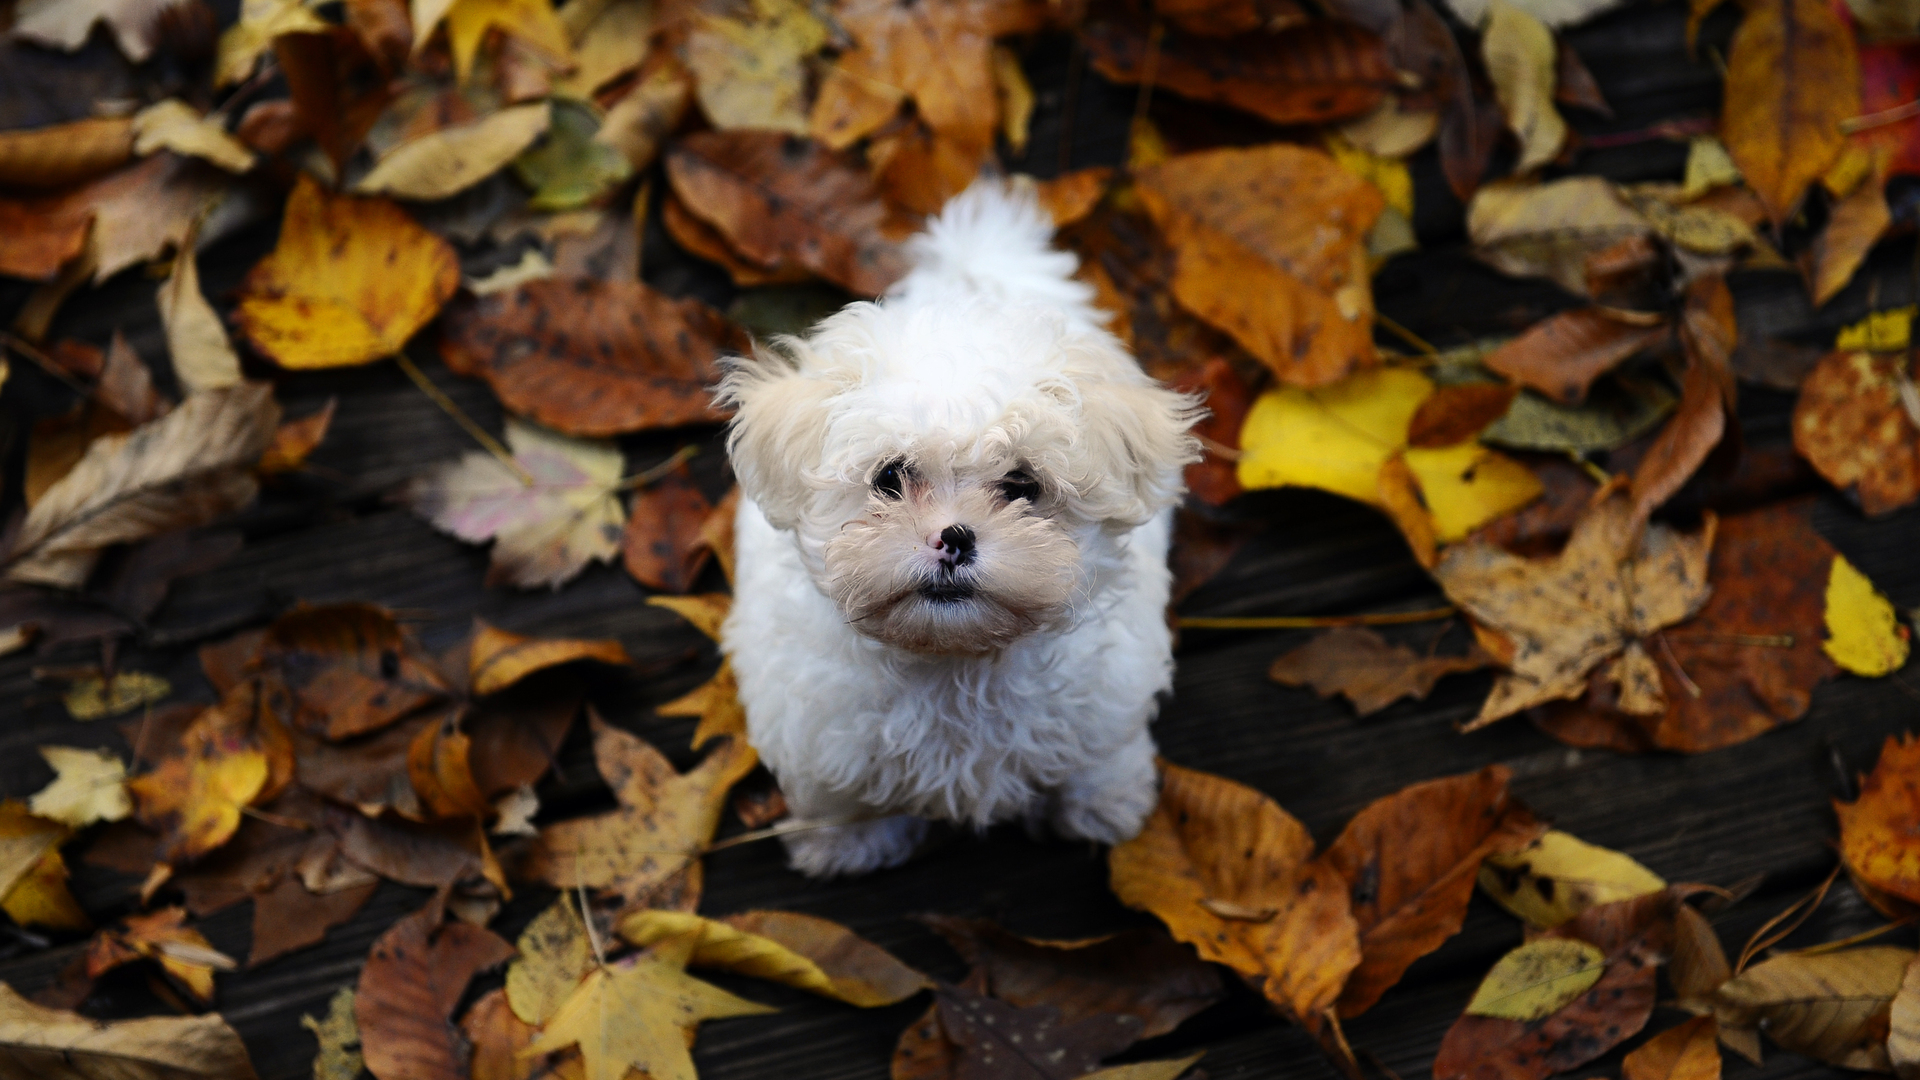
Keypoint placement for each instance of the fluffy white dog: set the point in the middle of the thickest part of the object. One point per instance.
(951, 560)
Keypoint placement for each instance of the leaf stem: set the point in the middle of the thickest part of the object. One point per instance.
(1309, 622)
(46, 363)
(448, 406)
(648, 476)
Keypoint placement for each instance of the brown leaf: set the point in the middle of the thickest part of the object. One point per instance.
(998, 1041)
(1687, 1052)
(1634, 935)
(1454, 414)
(1139, 973)
(1785, 132)
(590, 357)
(430, 855)
(1322, 70)
(497, 1037)
(1854, 423)
(1201, 549)
(1575, 85)
(60, 155)
(350, 667)
(289, 916)
(1409, 861)
(40, 236)
(295, 439)
(1854, 224)
(183, 1047)
(337, 88)
(1561, 355)
(1833, 1005)
(517, 734)
(1707, 332)
(782, 200)
(704, 241)
(1071, 196)
(412, 980)
(1359, 664)
(663, 546)
(442, 779)
(163, 937)
(1300, 300)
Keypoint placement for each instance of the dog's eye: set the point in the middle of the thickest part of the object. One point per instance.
(1020, 484)
(889, 479)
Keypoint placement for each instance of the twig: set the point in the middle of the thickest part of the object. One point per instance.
(1420, 344)
(1761, 940)
(448, 406)
(1594, 472)
(1309, 622)
(1848, 942)
(46, 363)
(1880, 119)
(1693, 688)
(648, 476)
(1217, 448)
(1770, 641)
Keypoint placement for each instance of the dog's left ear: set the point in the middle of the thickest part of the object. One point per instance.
(778, 430)
(1137, 441)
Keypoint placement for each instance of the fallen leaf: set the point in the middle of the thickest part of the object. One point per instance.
(1552, 229)
(351, 668)
(1409, 861)
(337, 88)
(1864, 635)
(555, 953)
(1311, 73)
(197, 343)
(1228, 216)
(38, 237)
(433, 855)
(781, 200)
(226, 761)
(589, 357)
(501, 658)
(61, 154)
(704, 241)
(571, 168)
(1360, 665)
(1689, 1051)
(1555, 13)
(174, 125)
(716, 702)
(497, 1037)
(653, 842)
(1562, 354)
(261, 21)
(339, 1038)
(33, 1039)
(1335, 437)
(1852, 424)
(1903, 1026)
(183, 469)
(163, 937)
(1785, 133)
(1141, 973)
(1699, 965)
(88, 786)
(1875, 828)
(97, 698)
(1538, 979)
(1609, 590)
(443, 163)
(1214, 845)
(1523, 64)
(530, 21)
(1831, 1006)
(1559, 876)
(294, 440)
(413, 978)
(659, 1005)
(780, 946)
(544, 533)
(291, 916)
(66, 24)
(662, 547)
(638, 124)
(349, 282)
(751, 71)
(33, 876)
(999, 1040)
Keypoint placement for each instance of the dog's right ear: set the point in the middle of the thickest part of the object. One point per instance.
(778, 430)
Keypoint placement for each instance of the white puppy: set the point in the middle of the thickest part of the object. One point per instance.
(951, 557)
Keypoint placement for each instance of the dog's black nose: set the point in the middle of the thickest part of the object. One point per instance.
(958, 541)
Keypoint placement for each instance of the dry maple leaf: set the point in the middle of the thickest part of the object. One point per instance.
(1298, 299)
(185, 468)
(1597, 600)
(233, 755)
(778, 200)
(802, 951)
(34, 1039)
(640, 1014)
(651, 846)
(1632, 936)
(1833, 1006)
(1231, 874)
(349, 281)
(413, 978)
(1785, 132)
(1876, 830)
(555, 953)
(1410, 862)
(1856, 423)
(1359, 664)
(88, 786)
(545, 532)
(1308, 73)
(589, 357)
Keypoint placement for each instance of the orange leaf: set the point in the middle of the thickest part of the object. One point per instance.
(1793, 77)
(1877, 829)
(293, 440)
(663, 547)
(442, 778)
(1322, 70)
(350, 667)
(1454, 414)
(1690, 1051)
(63, 154)
(1854, 423)
(228, 759)
(1561, 355)
(37, 238)
(500, 658)
(1358, 663)
(1854, 224)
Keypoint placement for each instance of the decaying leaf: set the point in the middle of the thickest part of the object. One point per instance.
(1360, 665)
(444, 163)
(1558, 876)
(1785, 132)
(349, 282)
(1214, 846)
(33, 876)
(1876, 828)
(787, 947)
(97, 697)
(1690, 1051)
(997, 1039)
(1552, 229)
(664, 546)
(1562, 354)
(1538, 979)
(231, 755)
(590, 357)
(163, 937)
(751, 71)
(412, 980)
(89, 786)
(1864, 635)
(1853, 424)
(1832, 1006)
(351, 668)
(555, 953)
(34, 1040)
(651, 846)
(544, 533)
(1409, 861)
(339, 1057)
(659, 1007)
(572, 167)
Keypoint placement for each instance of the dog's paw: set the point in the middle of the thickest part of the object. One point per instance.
(859, 848)
(1110, 815)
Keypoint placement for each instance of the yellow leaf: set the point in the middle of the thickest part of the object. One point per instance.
(1863, 634)
(195, 796)
(174, 125)
(705, 611)
(1708, 166)
(350, 281)
(1880, 331)
(782, 946)
(339, 1038)
(89, 786)
(640, 1014)
(448, 161)
(1468, 485)
(94, 698)
(499, 658)
(1537, 979)
(33, 876)
(532, 21)
(1558, 876)
(609, 40)
(716, 702)
(1334, 437)
(751, 72)
(555, 954)
(260, 22)
(1521, 60)
(1388, 175)
(203, 356)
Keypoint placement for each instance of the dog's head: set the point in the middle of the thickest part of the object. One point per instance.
(957, 475)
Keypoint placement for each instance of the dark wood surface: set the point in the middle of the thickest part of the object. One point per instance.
(1760, 808)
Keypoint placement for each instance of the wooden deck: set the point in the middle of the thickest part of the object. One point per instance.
(1760, 808)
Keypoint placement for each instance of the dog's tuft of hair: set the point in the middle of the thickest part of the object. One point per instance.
(951, 550)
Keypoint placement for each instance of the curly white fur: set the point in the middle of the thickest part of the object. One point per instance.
(894, 669)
